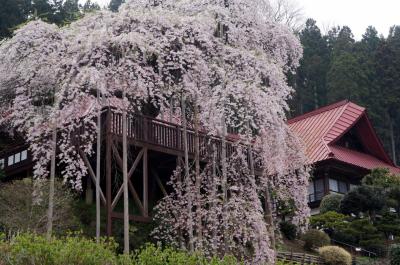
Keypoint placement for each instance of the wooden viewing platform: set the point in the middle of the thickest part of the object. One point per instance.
(156, 147)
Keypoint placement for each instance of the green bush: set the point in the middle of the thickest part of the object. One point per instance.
(288, 229)
(31, 249)
(314, 239)
(333, 255)
(152, 255)
(331, 202)
(394, 254)
(26, 249)
(329, 221)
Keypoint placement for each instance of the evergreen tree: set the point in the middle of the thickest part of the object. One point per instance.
(12, 13)
(345, 77)
(311, 75)
(89, 6)
(388, 76)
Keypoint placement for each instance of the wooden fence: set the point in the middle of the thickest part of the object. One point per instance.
(301, 258)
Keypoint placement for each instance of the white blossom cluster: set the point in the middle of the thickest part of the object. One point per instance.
(225, 56)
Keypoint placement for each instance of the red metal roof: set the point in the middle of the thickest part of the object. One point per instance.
(322, 128)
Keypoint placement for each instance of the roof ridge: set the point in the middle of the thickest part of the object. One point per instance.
(318, 111)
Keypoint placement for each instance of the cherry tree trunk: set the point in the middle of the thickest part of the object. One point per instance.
(187, 173)
(50, 211)
(197, 172)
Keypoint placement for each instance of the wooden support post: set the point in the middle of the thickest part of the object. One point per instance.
(326, 181)
(125, 178)
(98, 170)
(145, 183)
(108, 174)
(91, 172)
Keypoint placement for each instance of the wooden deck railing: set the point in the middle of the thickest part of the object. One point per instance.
(170, 136)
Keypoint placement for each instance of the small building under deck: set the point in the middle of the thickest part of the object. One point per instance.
(342, 146)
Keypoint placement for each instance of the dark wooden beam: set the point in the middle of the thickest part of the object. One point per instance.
(135, 218)
(130, 173)
(91, 172)
(145, 183)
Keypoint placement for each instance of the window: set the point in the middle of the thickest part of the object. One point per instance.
(333, 185)
(24, 155)
(10, 160)
(311, 192)
(1, 163)
(17, 158)
(342, 187)
(319, 189)
(316, 190)
(337, 186)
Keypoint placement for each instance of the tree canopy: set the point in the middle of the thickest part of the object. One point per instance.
(226, 59)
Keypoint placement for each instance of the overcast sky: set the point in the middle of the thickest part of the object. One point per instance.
(357, 14)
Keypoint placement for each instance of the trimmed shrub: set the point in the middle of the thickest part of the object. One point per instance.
(333, 255)
(314, 239)
(288, 229)
(331, 202)
(394, 254)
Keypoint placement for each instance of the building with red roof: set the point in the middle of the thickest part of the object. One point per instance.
(342, 145)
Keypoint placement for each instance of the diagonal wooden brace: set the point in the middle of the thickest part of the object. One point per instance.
(130, 173)
(91, 173)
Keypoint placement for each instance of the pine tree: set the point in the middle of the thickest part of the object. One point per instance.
(115, 4)
(12, 13)
(311, 75)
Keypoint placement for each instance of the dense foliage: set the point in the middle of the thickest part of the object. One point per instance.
(366, 217)
(330, 202)
(394, 254)
(333, 255)
(314, 239)
(30, 249)
(23, 207)
(288, 229)
(335, 66)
